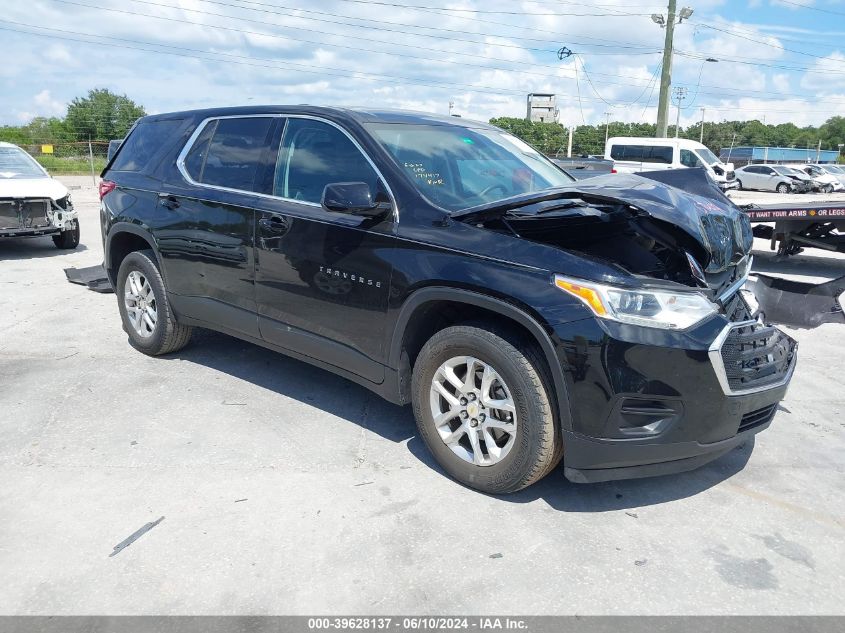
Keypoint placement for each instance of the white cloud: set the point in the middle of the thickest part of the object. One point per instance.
(424, 60)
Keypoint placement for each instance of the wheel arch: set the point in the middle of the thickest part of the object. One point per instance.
(430, 309)
(124, 238)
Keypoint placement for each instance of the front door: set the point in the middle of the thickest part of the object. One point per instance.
(322, 278)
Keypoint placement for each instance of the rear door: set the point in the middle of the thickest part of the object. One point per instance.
(207, 217)
(323, 278)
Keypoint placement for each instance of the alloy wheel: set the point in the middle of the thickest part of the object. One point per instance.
(141, 305)
(473, 410)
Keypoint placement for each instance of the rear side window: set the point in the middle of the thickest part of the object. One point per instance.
(229, 152)
(144, 143)
(642, 153)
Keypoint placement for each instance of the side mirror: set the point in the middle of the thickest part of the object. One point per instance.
(354, 198)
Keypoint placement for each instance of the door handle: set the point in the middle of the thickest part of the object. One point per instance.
(168, 202)
(275, 224)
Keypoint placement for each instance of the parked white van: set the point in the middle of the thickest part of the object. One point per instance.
(633, 154)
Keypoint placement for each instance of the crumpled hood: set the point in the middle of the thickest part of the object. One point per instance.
(691, 202)
(685, 198)
(32, 188)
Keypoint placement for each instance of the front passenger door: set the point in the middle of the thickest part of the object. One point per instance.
(323, 278)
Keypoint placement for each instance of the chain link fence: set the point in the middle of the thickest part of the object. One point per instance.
(79, 157)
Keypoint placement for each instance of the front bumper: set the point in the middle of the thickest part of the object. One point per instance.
(646, 402)
(33, 217)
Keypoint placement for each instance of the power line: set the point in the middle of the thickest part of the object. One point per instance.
(326, 44)
(811, 8)
(763, 42)
(484, 11)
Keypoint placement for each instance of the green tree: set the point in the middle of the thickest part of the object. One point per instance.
(101, 116)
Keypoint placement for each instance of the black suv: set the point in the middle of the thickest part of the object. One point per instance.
(447, 264)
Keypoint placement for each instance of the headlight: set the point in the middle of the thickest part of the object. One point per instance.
(650, 308)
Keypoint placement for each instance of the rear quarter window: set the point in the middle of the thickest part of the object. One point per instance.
(144, 143)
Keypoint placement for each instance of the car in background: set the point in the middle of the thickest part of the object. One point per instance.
(635, 154)
(826, 181)
(32, 203)
(777, 178)
(584, 166)
(834, 170)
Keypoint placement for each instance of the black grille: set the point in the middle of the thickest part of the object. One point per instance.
(756, 355)
(736, 310)
(757, 418)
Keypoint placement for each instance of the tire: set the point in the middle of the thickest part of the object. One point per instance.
(828, 189)
(525, 454)
(137, 277)
(738, 184)
(68, 240)
(782, 188)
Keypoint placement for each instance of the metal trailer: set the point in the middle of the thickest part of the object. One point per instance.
(819, 225)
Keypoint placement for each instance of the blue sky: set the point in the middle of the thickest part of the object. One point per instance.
(778, 60)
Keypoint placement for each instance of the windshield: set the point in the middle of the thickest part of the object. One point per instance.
(457, 167)
(707, 156)
(784, 171)
(16, 163)
(834, 169)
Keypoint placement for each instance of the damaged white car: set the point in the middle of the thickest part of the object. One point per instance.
(32, 203)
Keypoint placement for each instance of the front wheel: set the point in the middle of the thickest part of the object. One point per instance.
(483, 409)
(739, 185)
(69, 239)
(828, 189)
(782, 188)
(142, 299)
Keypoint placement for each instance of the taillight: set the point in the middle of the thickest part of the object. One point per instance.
(105, 187)
(612, 171)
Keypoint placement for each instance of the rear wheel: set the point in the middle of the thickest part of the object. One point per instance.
(69, 239)
(142, 299)
(483, 409)
(782, 188)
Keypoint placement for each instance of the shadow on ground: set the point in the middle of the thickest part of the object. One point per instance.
(342, 398)
(12, 249)
(814, 265)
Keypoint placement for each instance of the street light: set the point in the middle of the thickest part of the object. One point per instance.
(658, 19)
(685, 14)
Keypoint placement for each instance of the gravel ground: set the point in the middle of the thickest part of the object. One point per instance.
(265, 486)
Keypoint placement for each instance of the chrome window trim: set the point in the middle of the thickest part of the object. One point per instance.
(715, 354)
(180, 160)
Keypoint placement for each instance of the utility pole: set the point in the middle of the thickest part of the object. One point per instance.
(569, 143)
(680, 94)
(666, 73)
(606, 127)
(701, 140)
(667, 23)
